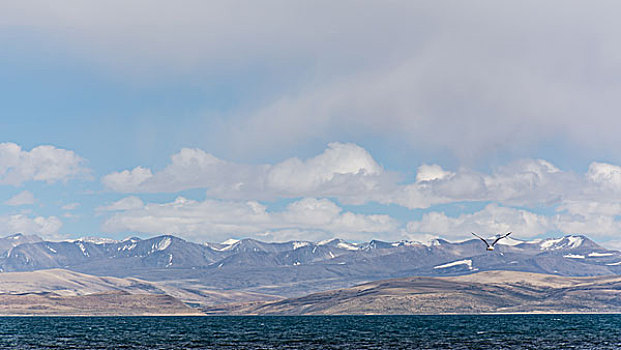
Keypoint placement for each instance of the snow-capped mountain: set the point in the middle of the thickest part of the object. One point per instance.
(290, 268)
(14, 240)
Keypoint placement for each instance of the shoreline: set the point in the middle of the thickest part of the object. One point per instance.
(334, 315)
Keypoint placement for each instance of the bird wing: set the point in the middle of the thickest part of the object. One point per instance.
(499, 238)
(481, 238)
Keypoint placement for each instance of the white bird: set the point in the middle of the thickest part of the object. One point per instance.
(490, 246)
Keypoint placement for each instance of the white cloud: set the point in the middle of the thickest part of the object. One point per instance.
(127, 180)
(350, 174)
(344, 170)
(585, 204)
(574, 207)
(491, 220)
(19, 223)
(605, 175)
(22, 198)
(430, 172)
(127, 203)
(339, 160)
(526, 182)
(308, 218)
(42, 163)
(496, 219)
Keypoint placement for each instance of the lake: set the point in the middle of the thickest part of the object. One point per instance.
(314, 332)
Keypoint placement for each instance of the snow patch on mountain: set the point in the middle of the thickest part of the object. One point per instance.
(573, 256)
(327, 241)
(95, 240)
(229, 244)
(568, 242)
(347, 246)
(405, 243)
(574, 241)
(230, 241)
(83, 249)
(467, 262)
(298, 245)
(127, 247)
(162, 244)
(596, 254)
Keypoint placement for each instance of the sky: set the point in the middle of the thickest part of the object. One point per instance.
(283, 120)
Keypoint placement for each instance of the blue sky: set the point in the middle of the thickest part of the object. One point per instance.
(280, 120)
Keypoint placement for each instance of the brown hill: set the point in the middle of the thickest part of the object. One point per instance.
(70, 283)
(484, 292)
(117, 303)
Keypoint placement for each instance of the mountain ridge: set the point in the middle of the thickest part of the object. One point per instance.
(294, 268)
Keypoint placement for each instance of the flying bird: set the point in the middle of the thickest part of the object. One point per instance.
(490, 246)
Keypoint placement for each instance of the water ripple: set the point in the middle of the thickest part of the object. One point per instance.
(329, 332)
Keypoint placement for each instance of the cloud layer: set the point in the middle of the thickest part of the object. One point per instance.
(516, 192)
(472, 79)
(349, 173)
(308, 218)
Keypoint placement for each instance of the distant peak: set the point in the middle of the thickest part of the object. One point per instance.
(230, 241)
(569, 241)
(95, 240)
(329, 241)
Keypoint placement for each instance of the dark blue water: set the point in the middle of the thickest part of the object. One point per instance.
(332, 332)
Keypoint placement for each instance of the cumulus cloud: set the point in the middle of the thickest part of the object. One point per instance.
(581, 203)
(308, 218)
(127, 180)
(43, 163)
(344, 170)
(605, 177)
(20, 223)
(22, 198)
(528, 182)
(294, 175)
(349, 173)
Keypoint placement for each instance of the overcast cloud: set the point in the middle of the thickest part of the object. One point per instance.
(473, 78)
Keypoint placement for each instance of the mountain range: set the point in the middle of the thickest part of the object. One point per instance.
(251, 270)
